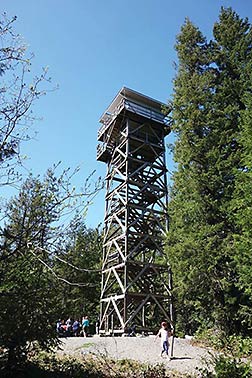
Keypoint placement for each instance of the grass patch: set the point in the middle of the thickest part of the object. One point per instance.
(87, 345)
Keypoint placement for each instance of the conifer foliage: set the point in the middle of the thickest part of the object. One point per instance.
(81, 251)
(208, 243)
(48, 270)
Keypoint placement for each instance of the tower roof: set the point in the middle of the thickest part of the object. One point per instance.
(130, 94)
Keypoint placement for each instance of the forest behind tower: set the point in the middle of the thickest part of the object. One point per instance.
(209, 242)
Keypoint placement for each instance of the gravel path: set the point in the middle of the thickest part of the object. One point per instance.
(186, 357)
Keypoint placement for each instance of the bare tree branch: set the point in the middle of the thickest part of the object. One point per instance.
(56, 276)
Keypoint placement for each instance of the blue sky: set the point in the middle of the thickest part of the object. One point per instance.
(92, 49)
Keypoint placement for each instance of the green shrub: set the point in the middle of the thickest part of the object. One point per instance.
(211, 338)
(236, 346)
(239, 346)
(226, 367)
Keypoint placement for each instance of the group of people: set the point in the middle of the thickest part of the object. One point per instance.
(73, 327)
(81, 328)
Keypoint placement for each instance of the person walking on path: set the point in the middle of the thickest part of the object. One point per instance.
(164, 333)
(85, 326)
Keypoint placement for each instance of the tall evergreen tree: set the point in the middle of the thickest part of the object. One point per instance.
(241, 214)
(27, 297)
(208, 101)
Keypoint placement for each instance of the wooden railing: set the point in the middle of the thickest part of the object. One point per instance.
(133, 107)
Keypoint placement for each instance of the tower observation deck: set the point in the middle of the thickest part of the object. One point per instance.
(136, 278)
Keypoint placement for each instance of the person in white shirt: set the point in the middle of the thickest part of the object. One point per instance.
(164, 333)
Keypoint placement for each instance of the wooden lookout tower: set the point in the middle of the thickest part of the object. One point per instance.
(136, 282)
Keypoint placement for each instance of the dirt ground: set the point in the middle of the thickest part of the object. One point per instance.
(186, 357)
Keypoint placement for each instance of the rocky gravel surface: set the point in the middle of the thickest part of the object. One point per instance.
(186, 357)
